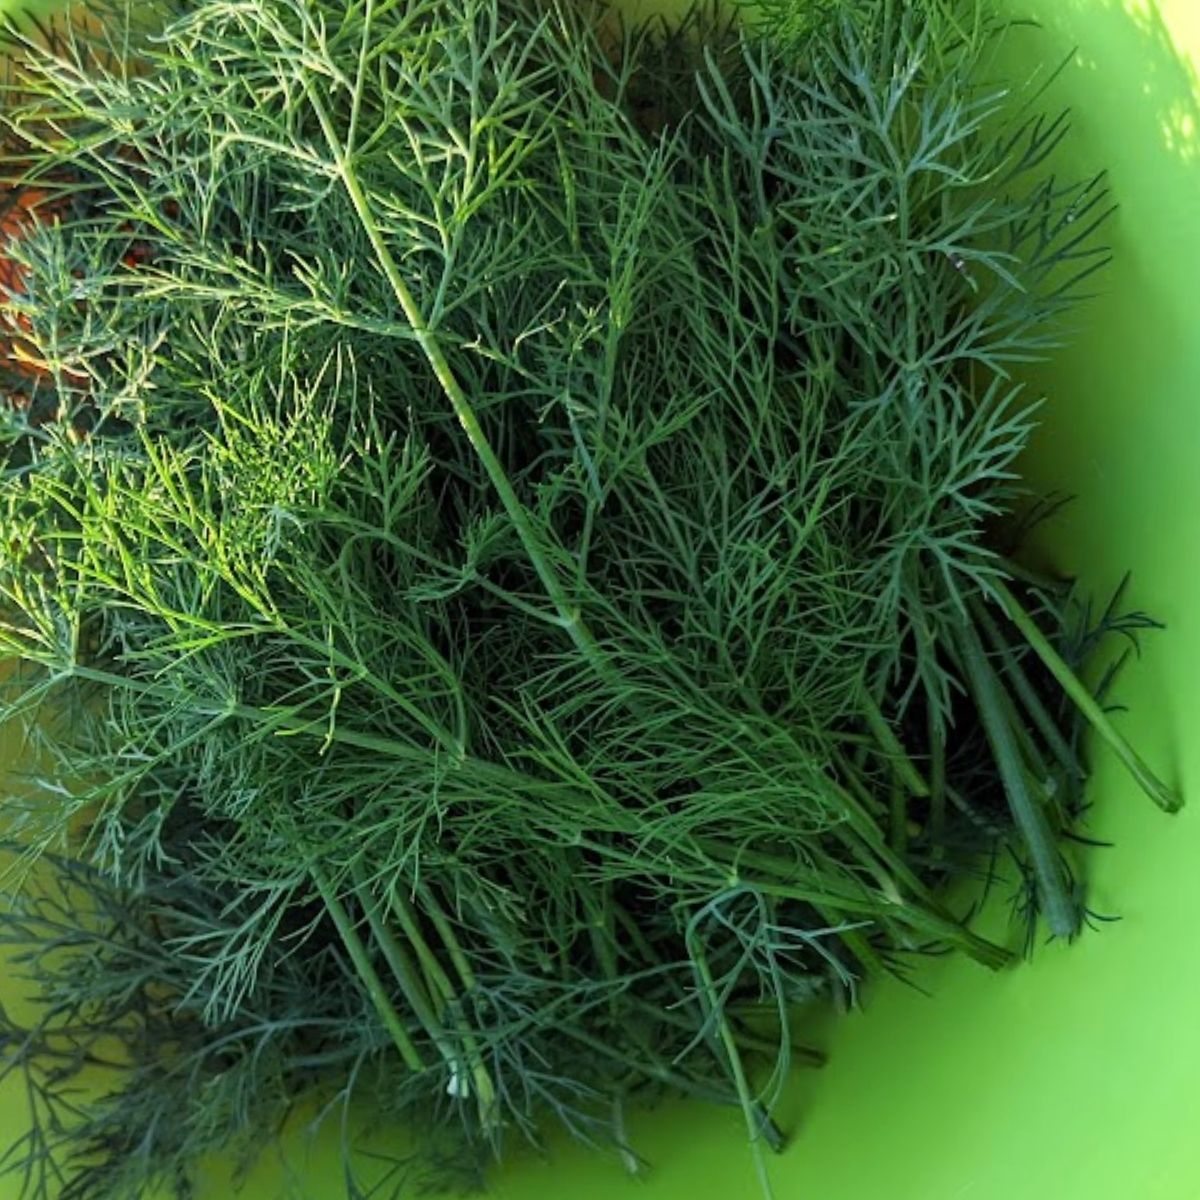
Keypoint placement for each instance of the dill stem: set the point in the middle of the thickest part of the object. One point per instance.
(869, 833)
(569, 615)
(402, 967)
(749, 1105)
(1158, 791)
(433, 910)
(436, 979)
(1028, 697)
(1031, 754)
(409, 1054)
(1061, 912)
(440, 984)
(928, 918)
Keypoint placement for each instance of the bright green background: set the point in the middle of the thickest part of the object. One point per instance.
(35, 8)
(1076, 1078)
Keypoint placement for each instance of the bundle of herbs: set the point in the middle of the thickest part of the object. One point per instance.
(501, 561)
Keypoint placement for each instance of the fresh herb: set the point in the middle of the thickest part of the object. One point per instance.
(499, 565)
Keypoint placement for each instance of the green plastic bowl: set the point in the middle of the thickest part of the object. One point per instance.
(1076, 1077)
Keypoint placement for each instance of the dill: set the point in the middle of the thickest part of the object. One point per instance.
(499, 559)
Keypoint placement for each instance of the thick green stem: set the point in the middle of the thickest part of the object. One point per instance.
(1158, 791)
(440, 985)
(403, 969)
(366, 972)
(813, 887)
(1061, 911)
(886, 864)
(436, 979)
(930, 920)
(749, 1103)
(444, 930)
(1036, 767)
(1029, 699)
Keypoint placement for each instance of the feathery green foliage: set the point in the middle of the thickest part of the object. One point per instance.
(499, 559)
